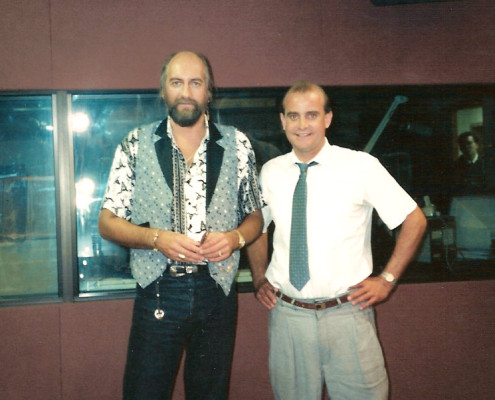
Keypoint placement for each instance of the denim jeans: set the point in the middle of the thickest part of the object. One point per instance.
(198, 318)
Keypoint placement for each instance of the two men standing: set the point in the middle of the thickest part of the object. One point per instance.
(183, 195)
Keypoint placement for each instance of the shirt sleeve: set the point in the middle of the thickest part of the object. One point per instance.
(384, 193)
(120, 186)
(250, 197)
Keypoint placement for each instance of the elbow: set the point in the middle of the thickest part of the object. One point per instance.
(421, 222)
(104, 223)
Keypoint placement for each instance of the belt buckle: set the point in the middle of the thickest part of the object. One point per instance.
(320, 306)
(191, 269)
(188, 269)
(173, 271)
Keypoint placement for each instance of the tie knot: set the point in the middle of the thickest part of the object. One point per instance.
(304, 167)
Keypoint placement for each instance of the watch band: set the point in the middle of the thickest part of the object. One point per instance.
(389, 277)
(242, 241)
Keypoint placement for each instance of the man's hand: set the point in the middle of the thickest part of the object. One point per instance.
(369, 292)
(218, 246)
(178, 247)
(265, 294)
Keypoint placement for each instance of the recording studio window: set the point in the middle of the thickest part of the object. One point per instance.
(99, 123)
(28, 243)
(416, 132)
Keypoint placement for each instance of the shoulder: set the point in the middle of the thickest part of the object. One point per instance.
(224, 130)
(141, 131)
(130, 144)
(341, 157)
(276, 165)
(342, 153)
(234, 135)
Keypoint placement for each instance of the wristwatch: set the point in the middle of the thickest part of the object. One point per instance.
(389, 277)
(242, 241)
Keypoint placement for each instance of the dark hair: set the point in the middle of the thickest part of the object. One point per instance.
(463, 138)
(206, 63)
(303, 87)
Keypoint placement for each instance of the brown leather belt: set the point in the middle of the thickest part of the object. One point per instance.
(318, 305)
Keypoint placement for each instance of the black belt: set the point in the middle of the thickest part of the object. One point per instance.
(181, 270)
(317, 305)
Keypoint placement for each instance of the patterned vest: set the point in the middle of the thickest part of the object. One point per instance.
(153, 196)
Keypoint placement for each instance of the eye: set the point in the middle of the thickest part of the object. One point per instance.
(292, 117)
(312, 115)
(175, 83)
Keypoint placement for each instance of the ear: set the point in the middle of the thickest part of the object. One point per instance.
(328, 119)
(282, 119)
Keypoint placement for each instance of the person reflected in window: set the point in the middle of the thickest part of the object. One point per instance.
(183, 195)
(470, 169)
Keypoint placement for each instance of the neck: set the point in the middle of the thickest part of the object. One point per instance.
(189, 138)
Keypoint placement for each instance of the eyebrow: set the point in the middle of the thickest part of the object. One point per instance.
(305, 113)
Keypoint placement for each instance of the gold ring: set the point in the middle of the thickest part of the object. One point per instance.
(180, 255)
(219, 254)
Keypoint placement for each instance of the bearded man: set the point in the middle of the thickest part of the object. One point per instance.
(183, 196)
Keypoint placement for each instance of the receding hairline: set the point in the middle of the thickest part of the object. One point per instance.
(206, 68)
(305, 87)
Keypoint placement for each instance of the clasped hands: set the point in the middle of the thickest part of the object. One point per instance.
(214, 246)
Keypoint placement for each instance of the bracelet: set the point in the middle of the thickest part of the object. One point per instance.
(155, 237)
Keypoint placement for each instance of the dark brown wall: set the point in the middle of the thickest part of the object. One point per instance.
(438, 338)
(93, 44)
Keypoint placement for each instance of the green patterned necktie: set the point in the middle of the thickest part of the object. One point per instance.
(298, 262)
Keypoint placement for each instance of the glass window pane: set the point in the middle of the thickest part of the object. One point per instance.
(28, 245)
(99, 123)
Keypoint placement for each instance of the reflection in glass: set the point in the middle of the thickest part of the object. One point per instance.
(99, 123)
(28, 246)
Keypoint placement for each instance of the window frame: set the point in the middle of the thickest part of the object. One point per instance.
(64, 175)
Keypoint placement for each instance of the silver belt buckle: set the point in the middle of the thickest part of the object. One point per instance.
(188, 269)
(173, 271)
(191, 269)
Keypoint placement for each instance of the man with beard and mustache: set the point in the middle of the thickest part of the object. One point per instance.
(183, 196)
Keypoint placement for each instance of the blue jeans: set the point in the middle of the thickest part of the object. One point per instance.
(198, 317)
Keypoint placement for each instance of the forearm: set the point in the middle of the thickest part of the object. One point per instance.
(257, 253)
(409, 238)
(250, 228)
(125, 233)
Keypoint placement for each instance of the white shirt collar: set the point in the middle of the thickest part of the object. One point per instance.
(319, 158)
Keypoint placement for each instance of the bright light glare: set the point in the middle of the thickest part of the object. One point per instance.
(80, 122)
(84, 193)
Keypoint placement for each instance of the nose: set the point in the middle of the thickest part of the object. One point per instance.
(303, 122)
(186, 91)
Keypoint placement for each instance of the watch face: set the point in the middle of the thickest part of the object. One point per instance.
(388, 277)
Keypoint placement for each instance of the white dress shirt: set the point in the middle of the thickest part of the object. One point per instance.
(342, 190)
